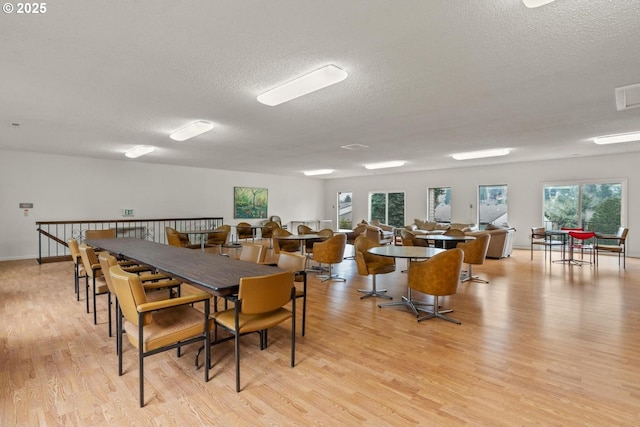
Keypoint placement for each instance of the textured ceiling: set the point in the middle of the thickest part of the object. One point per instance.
(427, 78)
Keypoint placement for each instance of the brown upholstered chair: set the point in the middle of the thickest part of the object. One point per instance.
(305, 229)
(284, 245)
(331, 251)
(267, 231)
(437, 276)
(220, 238)
(298, 264)
(162, 283)
(253, 252)
(325, 233)
(619, 245)
(450, 244)
(93, 271)
(109, 233)
(379, 235)
(244, 231)
(410, 239)
(153, 327)
(370, 264)
(260, 306)
(276, 219)
(352, 236)
(180, 240)
(475, 252)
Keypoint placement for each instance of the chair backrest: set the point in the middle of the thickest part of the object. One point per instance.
(106, 262)
(74, 248)
(537, 233)
(439, 275)
(582, 235)
(89, 259)
(253, 252)
(221, 237)
(264, 294)
(172, 237)
(284, 245)
(475, 251)
(292, 262)
(331, 250)
(305, 229)
(244, 230)
(130, 294)
(454, 232)
(268, 227)
(109, 233)
(276, 219)
(409, 239)
(622, 234)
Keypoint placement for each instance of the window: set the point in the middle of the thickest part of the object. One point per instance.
(388, 208)
(591, 206)
(492, 206)
(345, 210)
(440, 204)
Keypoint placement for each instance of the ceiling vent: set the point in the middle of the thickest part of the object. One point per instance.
(628, 97)
(354, 147)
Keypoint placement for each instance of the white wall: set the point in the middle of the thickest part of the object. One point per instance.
(524, 181)
(73, 188)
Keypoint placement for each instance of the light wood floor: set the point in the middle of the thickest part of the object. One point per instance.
(539, 345)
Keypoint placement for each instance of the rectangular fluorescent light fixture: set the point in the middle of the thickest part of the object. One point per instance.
(392, 164)
(481, 154)
(535, 3)
(138, 151)
(615, 139)
(315, 80)
(191, 130)
(318, 172)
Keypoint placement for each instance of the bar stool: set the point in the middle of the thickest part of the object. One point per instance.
(579, 240)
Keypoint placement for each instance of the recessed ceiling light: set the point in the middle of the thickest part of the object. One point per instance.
(481, 154)
(615, 139)
(315, 80)
(191, 130)
(382, 165)
(318, 172)
(354, 147)
(138, 151)
(536, 3)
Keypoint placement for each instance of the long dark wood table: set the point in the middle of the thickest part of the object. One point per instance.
(216, 274)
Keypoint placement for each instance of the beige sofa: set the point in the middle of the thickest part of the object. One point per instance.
(431, 227)
(501, 243)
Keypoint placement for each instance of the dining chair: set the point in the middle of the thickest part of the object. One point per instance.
(582, 241)
(258, 307)
(154, 327)
(244, 231)
(371, 264)
(253, 252)
(298, 264)
(280, 246)
(619, 247)
(180, 240)
(539, 237)
(267, 231)
(219, 238)
(94, 271)
(78, 265)
(109, 233)
(438, 276)
(475, 252)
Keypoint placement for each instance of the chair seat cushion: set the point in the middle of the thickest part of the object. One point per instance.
(251, 322)
(168, 326)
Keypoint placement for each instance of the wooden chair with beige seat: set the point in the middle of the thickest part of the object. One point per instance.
(259, 306)
(370, 264)
(616, 244)
(78, 265)
(154, 327)
(93, 270)
(438, 276)
(475, 252)
(330, 251)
